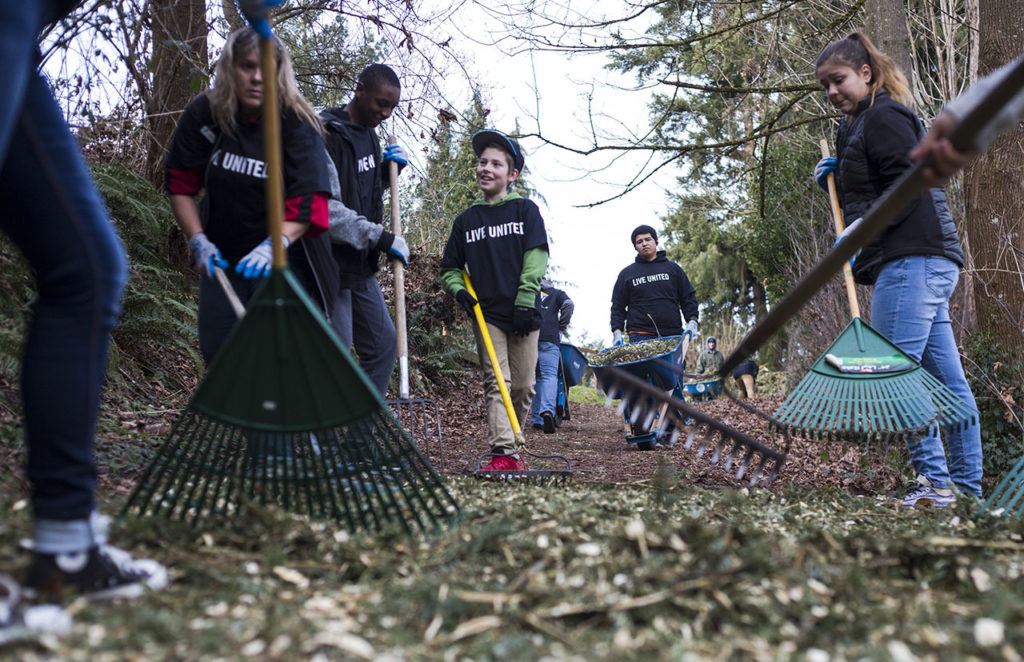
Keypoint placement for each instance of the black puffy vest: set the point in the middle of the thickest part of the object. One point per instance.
(872, 152)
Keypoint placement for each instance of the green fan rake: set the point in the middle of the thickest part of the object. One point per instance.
(285, 417)
(866, 388)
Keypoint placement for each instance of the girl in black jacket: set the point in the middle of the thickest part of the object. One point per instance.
(915, 263)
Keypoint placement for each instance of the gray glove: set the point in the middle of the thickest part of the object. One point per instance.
(617, 338)
(205, 255)
(691, 328)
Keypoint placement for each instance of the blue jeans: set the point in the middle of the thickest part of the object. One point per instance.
(362, 321)
(910, 307)
(52, 212)
(548, 356)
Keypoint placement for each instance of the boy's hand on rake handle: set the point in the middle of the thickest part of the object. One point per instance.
(466, 300)
(522, 321)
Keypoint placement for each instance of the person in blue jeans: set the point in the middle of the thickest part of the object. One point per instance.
(556, 310)
(50, 210)
(915, 263)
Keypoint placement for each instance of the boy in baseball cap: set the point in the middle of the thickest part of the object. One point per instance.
(502, 242)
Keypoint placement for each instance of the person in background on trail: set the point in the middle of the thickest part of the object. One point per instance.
(915, 264)
(360, 316)
(503, 244)
(218, 148)
(53, 214)
(556, 310)
(710, 360)
(745, 375)
(945, 159)
(649, 294)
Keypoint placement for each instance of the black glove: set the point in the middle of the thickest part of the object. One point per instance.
(466, 300)
(522, 321)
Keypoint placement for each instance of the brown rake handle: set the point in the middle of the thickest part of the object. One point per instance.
(272, 151)
(895, 199)
(837, 219)
(399, 272)
(229, 292)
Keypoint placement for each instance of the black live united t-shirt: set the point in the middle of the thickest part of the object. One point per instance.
(234, 210)
(489, 241)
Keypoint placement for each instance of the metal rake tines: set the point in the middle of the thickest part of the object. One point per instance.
(1007, 499)
(421, 418)
(554, 469)
(725, 446)
(365, 475)
(890, 408)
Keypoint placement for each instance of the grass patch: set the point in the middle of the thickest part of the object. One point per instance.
(586, 395)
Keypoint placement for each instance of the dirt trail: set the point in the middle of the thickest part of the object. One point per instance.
(594, 443)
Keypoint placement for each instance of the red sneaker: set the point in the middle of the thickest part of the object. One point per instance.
(504, 463)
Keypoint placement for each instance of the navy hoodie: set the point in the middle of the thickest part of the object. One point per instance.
(648, 296)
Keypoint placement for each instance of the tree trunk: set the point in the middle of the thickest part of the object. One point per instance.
(179, 69)
(885, 21)
(994, 187)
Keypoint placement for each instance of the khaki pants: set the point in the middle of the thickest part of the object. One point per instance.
(517, 356)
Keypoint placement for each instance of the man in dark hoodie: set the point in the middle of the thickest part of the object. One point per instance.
(649, 294)
(360, 316)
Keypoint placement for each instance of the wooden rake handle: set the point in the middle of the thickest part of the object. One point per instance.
(398, 269)
(837, 219)
(271, 122)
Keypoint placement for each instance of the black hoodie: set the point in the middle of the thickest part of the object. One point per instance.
(356, 265)
(648, 296)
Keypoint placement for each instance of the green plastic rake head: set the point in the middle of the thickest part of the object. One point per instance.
(865, 388)
(285, 417)
(1007, 499)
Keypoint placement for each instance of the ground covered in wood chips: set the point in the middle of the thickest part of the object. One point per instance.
(644, 555)
(660, 571)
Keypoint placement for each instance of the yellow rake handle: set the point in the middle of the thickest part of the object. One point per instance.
(492, 355)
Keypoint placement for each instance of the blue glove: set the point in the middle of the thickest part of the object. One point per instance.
(846, 233)
(205, 255)
(397, 154)
(691, 328)
(617, 340)
(825, 167)
(258, 262)
(399, 250)
(256, 12)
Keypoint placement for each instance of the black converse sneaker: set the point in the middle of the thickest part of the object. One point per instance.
(99, 573)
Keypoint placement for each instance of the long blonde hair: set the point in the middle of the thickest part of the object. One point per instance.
(855, 50)
(223, 99)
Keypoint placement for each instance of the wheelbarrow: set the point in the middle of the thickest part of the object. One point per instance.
(572, 365)
(703, 390)
(662, 372)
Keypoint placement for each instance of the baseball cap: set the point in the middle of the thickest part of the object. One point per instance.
(483, 138)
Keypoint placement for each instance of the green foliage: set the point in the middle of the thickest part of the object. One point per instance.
(449, 185)
(326, 55)
(997, 381)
